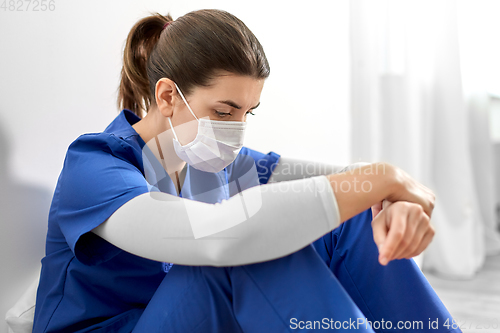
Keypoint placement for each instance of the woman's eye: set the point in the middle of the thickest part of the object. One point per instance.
(250, 112)
(221, 114)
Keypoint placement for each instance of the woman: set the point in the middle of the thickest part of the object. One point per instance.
(167, 223)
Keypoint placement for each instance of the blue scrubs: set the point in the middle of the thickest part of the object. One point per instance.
(87, 284)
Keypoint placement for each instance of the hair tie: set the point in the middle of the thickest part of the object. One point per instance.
(166, 25)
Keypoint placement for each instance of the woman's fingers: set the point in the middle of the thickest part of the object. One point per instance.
(388, 231)
(423, 228)
(415, 229)
(401, 230)
(397, 225)
(376, 209)
(426, 240)
(379, 228)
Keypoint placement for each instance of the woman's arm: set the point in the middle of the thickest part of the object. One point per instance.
(265, 222)
(258, 224)
(293, 168)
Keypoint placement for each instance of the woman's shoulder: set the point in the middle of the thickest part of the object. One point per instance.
(117, 138)
(91, 145)
(102, 141)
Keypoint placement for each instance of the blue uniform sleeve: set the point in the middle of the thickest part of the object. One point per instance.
(100, 174)
(265, 163)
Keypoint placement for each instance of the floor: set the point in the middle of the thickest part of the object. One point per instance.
(474, 304)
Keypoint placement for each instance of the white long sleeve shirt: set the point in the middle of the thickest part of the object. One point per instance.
(261, 223)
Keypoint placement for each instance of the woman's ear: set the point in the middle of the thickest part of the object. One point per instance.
(165, 91)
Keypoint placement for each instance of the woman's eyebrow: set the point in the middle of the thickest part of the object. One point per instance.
(234, 105)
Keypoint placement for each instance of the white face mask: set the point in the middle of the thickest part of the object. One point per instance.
(216, 145)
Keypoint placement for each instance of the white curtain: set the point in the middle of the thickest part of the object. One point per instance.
(409, 109)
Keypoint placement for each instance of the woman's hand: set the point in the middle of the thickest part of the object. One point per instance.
(377, 208)
(412, 191)
(357, 190)
(400, 230)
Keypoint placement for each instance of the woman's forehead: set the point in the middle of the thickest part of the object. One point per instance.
(239, 89)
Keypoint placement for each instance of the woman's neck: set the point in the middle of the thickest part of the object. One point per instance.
(155, 131)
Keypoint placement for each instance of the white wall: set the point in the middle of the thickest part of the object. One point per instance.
(59, 72)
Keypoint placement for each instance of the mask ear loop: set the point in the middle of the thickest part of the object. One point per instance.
(170, 122)
(182, 96)
(172, 128)
(162, 158)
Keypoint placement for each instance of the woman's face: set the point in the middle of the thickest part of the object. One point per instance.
(230, 97)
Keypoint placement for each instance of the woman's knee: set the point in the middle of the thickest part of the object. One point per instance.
(191, 298)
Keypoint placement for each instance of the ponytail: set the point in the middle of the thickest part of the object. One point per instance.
(134, 93)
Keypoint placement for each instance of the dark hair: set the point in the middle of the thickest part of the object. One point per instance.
(189, 51)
